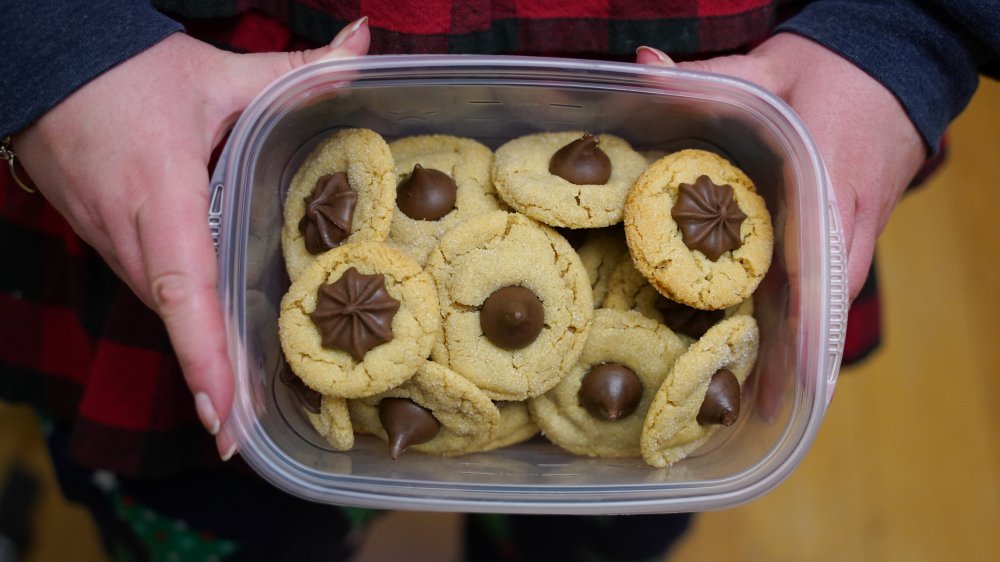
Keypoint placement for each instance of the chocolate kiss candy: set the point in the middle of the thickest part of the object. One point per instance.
(512, 317)
(708, 217)
(722, 401)
(406, 423)
(354, 313)
(306, 396)
(685, 319)
(329, 213)
(581, 162)
(426, 195)
(610, 391)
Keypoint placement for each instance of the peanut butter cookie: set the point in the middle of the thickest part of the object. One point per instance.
(702, 393)
(516, 304)
(599, 407)
(361, 319)
(569, 179)
(437, 411)
(442, 180)
(698, 231)
(344, 190)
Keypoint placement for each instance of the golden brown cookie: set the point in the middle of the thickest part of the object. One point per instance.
(333, 422)
(684, 413)
(515, 301)
(359, 320)
(451, 185)
(657, 243)
(599, 407)
(629, 290)
(344, 190)
(522, 176)
(451, 417)
(516, 426)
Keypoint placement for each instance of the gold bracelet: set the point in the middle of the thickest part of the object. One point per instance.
(7, 153)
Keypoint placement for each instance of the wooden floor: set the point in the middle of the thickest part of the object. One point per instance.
(907, 464)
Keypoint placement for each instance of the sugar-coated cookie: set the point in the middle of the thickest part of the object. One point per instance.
(598, 409)
(516, 304)
(361, 319)
(441, 181)
(698, 231)
(702, 393)
(436, 411)
(530, 173)
(344, 190)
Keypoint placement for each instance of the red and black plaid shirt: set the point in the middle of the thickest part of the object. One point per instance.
(79, 345)
(598, 28)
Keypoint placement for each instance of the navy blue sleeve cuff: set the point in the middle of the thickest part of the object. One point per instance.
(920, 55)
(53, 47)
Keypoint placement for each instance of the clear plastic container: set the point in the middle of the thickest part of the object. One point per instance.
(800, 305)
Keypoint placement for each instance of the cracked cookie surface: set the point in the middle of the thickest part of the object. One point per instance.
(467, 162)
(335, 372)
(671, 430)
(364, 156)
(522, 178)
(658, 250)
(467, 417)
(501, 250)
(626, 338)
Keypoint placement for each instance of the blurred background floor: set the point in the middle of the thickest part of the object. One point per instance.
(906, 466)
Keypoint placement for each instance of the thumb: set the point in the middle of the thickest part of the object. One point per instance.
(248, 74)
(653, 56)
(746, 67)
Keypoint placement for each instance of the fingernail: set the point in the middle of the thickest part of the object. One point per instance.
(225, 439)
(229, 452)
(346, 33)
(660, 55)
(206, 412)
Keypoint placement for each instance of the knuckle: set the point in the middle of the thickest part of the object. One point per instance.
(296, 58)
(171, 291)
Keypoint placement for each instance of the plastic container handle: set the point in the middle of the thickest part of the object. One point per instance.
(215, 213)
(838, 299)
(216, 189)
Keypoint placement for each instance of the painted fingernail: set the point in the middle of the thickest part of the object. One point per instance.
(347, 32)
(206, 412)
(660, 55)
